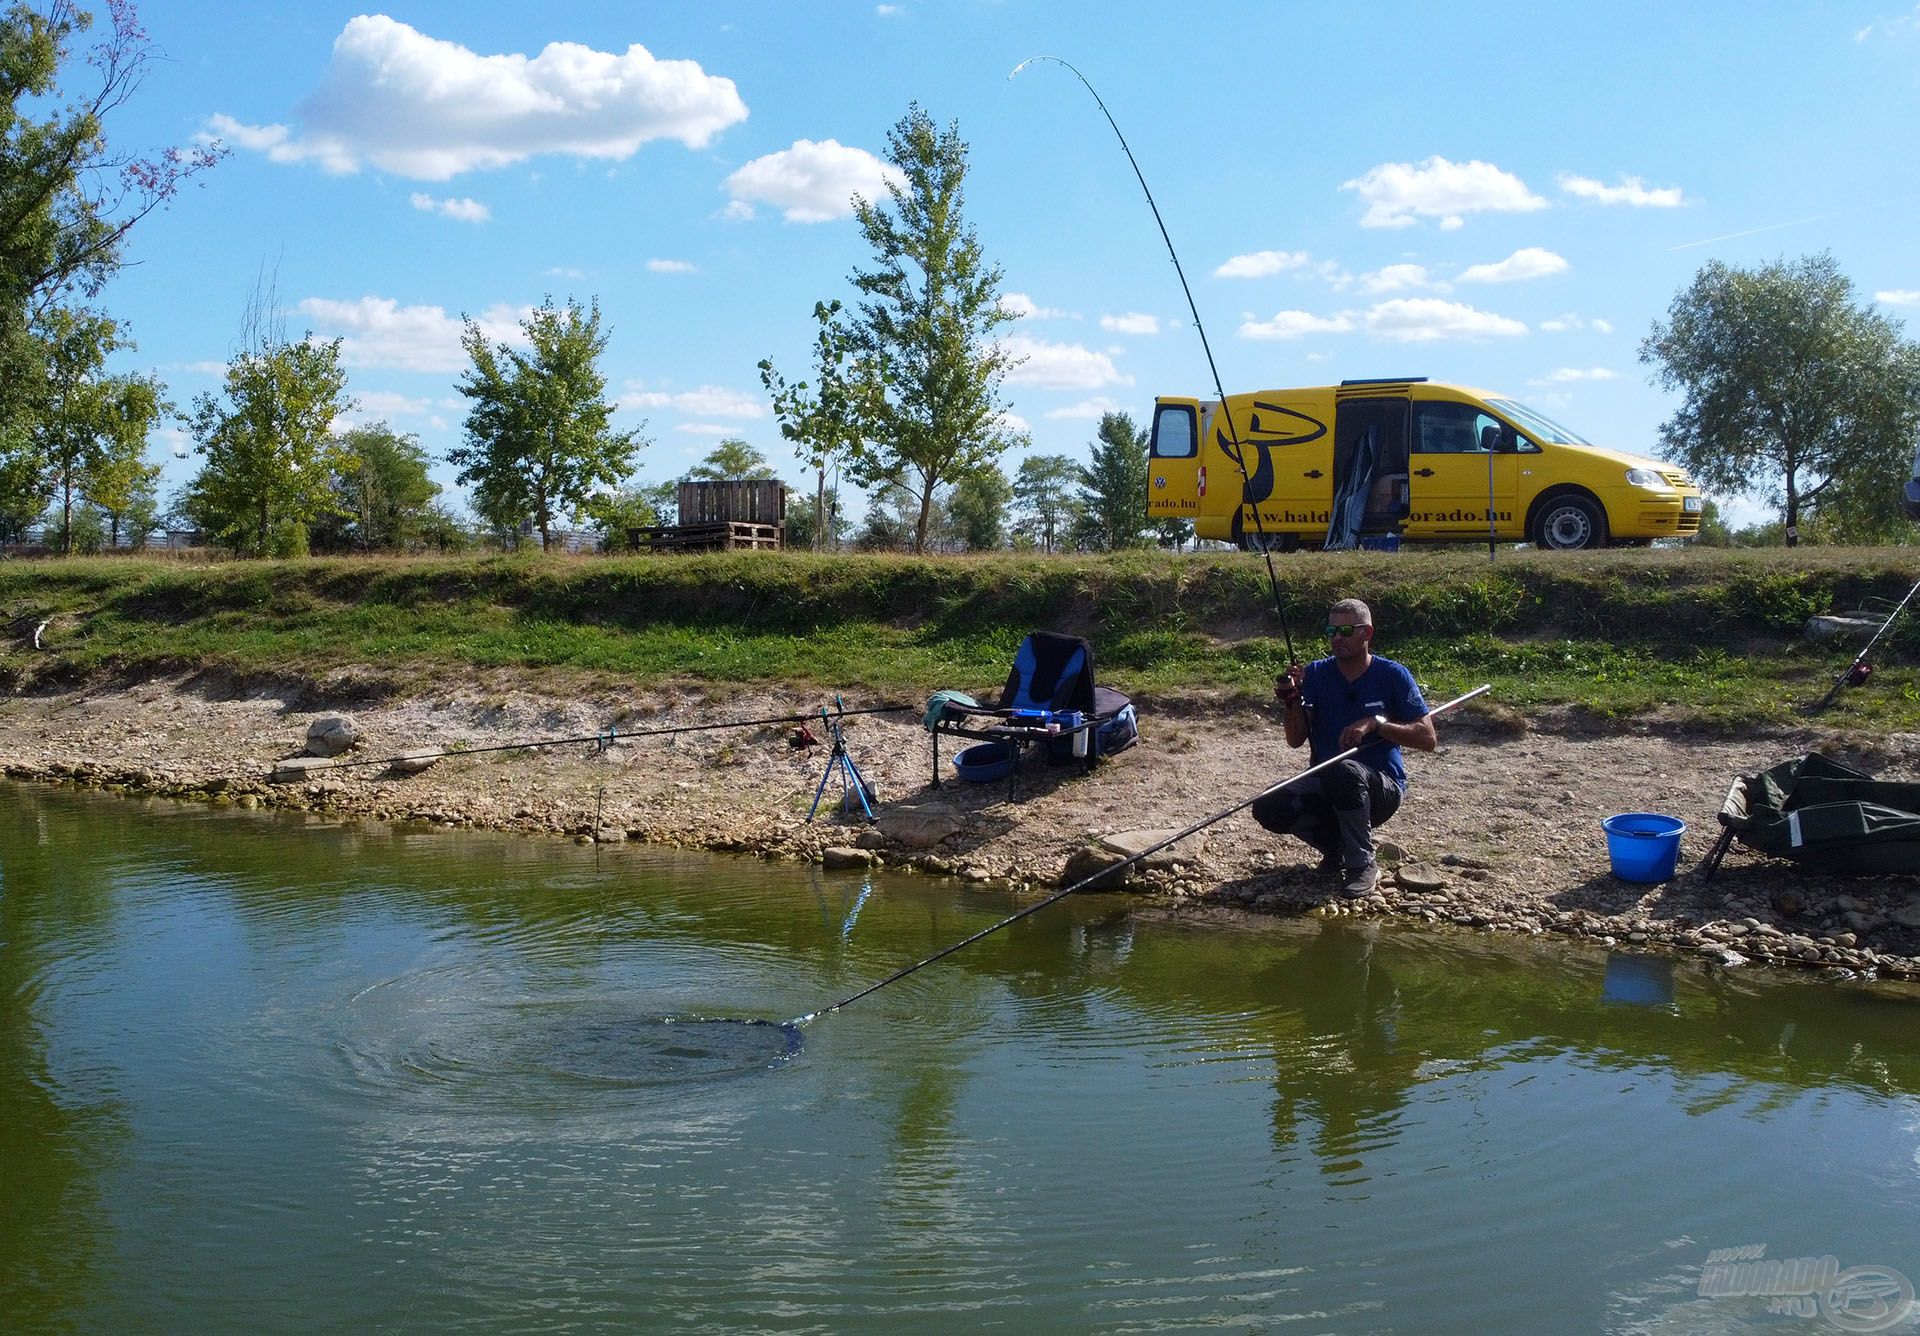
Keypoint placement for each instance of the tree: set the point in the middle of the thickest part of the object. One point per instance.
(1792, 390)
(271, 456)
(539, 437)
(67, 199)
(826, 421)
(1042, 489)
(977, 509)
(931, 304)
(381, 493)
(733, 460)
(612, 513)
(1113, 488)
(892, 511)
(90, 433)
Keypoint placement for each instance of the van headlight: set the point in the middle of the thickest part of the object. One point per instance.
(1644, 478)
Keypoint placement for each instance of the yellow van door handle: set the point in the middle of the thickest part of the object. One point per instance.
(1311, 473)
(1423, 473)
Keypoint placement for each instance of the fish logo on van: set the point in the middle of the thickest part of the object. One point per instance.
(1265, 436)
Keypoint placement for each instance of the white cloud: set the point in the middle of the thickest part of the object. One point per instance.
(1428, 319)
(1020, 305)
(811, 183)
(205, 368)
(464, 210)
(379, 332)
(1059, 366)
(1294, 325)
(705, 401)
(1133, 322)
(1566, 375)
(1016, 424)
(1398, 194)
(713, 429)
(1898, 297)
(1631, 191)
(561, 272)
(1563, 323)
(1262, 264)
(1397, 278)
(1526, 263)
(385, 403)
(887, 11)
(1087, 409)
(428, 109)
(671, 266)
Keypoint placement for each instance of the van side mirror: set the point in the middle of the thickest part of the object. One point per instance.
(1490, 438)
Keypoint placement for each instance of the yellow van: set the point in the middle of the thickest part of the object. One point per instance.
(1347, 465)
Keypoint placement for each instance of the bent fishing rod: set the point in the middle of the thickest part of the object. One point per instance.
(610, 736)
(1856, 672)
(1236, 452)
(1112, 868)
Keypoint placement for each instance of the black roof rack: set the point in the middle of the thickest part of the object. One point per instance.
(1387, 380)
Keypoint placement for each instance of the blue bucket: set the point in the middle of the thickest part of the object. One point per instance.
(1644, 846)
(986, 762)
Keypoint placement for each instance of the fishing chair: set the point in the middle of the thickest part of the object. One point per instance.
(1050, 700)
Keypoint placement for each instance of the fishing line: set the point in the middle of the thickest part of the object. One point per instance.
(1110, 869)
(604, 739)
(1236, 453)
(1856, 672)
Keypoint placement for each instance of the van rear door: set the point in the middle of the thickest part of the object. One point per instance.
(1175, 480)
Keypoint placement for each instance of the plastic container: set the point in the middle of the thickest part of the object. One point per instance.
(1644, 846)
(1073, 719)
(1379, 542)
(985, 762)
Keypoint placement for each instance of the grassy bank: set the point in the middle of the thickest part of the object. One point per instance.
(1706, 636)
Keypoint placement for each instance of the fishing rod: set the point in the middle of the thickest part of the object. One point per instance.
(1236, 453)
(1112, 868)
(607, 738)
(1857, 671)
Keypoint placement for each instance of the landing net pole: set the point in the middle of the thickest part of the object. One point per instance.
(1109, 870)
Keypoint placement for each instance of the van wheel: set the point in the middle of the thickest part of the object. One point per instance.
(1569, 524)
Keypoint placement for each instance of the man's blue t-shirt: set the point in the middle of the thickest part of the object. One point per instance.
(1333, 702)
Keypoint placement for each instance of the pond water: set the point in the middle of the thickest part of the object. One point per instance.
(263, 1073)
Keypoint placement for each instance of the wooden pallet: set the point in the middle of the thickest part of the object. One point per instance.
(718, 536)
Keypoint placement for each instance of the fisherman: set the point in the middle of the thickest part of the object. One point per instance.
(1352, 698)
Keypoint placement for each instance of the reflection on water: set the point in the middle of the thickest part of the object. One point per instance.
(262, 1072)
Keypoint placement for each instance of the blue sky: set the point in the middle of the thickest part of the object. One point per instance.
(1504, 194)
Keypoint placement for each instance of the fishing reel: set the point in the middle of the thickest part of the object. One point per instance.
(1858, 674)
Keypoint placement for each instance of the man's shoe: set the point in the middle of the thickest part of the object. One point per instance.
(1359, 880)
(1328, 866)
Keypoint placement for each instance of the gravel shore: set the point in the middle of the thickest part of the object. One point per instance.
(1500, 830)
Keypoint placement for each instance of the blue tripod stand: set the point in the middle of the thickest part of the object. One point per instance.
(852, 785)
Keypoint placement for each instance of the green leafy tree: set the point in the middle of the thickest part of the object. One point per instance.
(1043, 488)
(977, 509)
(826, 419)
(271, 456)
(444, 530)
(91, 430)
(68, 199)
(893, 509)
(539, 436)
(733, 460)
(1113, 488)
(611, 514)
(381, 493)
(930, 306)
(1792, 390)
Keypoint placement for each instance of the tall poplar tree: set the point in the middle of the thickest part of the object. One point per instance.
(928, 311)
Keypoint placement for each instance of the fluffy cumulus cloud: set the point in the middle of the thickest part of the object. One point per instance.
(705, 401)
(1528, 262)
(380, 332)
(1429, 320)
(1087, 410)
(463, 210)
(1631, 191)
(427, 109)
(1397, 278)
(1562, 324)
(1021, 306)
(1898, 297)
(1295, 325)
(1568, 375)
(1262, 264)
(1133, 322)
(1059, 366)
(1399, 194)
(670, 266)
(810, 182)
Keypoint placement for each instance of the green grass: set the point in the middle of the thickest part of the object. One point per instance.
(1700, 636)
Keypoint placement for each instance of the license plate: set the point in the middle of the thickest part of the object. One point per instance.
(1691, 504)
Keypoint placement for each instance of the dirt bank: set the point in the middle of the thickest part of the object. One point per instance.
(1500, 830)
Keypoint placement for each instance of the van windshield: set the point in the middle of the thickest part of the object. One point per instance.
(1537, 425)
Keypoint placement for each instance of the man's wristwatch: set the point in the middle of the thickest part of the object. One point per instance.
(1379, 722)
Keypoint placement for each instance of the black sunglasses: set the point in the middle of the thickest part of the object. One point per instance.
(1346, 630)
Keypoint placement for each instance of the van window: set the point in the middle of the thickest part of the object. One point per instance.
(1537, 425)
(1453, 429)
(1174, 436)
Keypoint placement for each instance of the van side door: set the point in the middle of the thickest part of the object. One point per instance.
(1463, 462)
